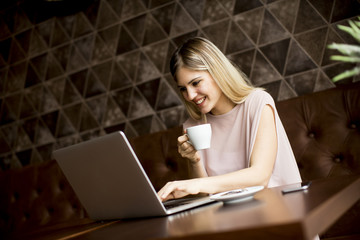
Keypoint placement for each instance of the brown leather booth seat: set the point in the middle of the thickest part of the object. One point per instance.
(36, 196)
(40, 196)
(158, 155)
(323, 129)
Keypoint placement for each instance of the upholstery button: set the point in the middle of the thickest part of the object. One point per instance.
(16, 196)
(337, 160)
(51, 210)
(353, 126)
(311, 135)
(35, 194)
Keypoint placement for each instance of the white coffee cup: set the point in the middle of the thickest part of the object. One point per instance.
(200, 136)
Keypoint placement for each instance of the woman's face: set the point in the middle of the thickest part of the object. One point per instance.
(199, 88)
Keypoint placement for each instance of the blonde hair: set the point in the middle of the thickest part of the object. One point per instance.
(199, 54)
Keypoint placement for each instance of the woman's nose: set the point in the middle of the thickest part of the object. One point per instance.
(190, 94)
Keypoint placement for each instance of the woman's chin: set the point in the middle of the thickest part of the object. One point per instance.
(204, 110)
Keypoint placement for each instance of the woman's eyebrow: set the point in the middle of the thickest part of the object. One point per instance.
(191, 81)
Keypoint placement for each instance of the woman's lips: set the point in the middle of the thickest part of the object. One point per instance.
(200, 101)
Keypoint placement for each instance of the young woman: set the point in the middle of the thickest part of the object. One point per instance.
(249, 145)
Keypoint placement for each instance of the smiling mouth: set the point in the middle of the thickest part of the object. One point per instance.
(200, 101)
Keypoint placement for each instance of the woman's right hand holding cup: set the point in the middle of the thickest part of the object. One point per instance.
(187, 150)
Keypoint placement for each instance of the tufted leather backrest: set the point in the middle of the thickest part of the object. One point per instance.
(324, 131)
(158, 155)
(40, 195)
(36, 196)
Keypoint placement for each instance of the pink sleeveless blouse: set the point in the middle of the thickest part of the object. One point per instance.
(233, 137)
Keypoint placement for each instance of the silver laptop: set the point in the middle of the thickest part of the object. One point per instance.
(110, 182)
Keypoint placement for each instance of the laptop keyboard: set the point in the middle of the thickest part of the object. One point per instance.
(178, 202)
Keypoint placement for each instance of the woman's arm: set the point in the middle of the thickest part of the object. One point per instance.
(262, 162)
(186, 150)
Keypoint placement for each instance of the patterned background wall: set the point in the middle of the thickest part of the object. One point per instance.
(69, 73)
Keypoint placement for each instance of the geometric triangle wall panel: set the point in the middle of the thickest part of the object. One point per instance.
(272, 30)
(322, 7)
(167, 98)
(100, 52)
(139, 107)
(303, 83)
(123, 99)
(59, 36)
(150, 90)
(157, 53)
(277, 53)
(87, 121)
(314, 43)
(262, 67)
(82, 25)
(243, 60)
(298, 60)
(129, 63)
(332, 37)
(102, 72)
(344, 9)
(246, 5)
(125, 43)
(73, 114)
(132, 8)
(109, 36)
(285, 11)
(104, 66)
(181, 22)
(153, 32)
(216, 33)
(250, 22)
(146, 70)
(213, 11)
(142, 125)
(163, 15)
(118, 78)
(136, 27)
(307, 18)
(106, 15)
(237, 40)
(97, 107)
(285, 91)
(93, 86)
(113, 113)
(70, 94)
(79, 79)
(64, 128)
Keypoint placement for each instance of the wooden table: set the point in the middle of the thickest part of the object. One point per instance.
(270, 215)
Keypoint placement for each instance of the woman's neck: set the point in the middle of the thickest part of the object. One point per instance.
(223, 106)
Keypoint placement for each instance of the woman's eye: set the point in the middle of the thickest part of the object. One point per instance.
(196, 83)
